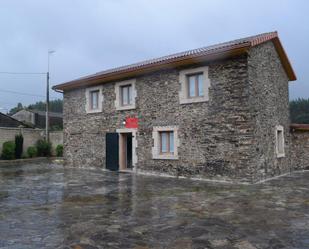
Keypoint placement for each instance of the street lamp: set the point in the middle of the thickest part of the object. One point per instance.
(47, 95)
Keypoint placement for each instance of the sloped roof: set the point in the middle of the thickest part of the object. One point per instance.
(299, 127)
(40, 113)
(218, 51)
(51, 114)
(8, 121)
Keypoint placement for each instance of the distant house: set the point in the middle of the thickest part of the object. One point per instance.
(37, 119)
(9, 122)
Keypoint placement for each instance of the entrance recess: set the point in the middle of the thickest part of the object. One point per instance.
(112, 148)
(125, 151)
(127, 148)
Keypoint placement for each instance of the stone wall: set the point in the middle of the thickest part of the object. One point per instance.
(56, 137)
(30, 136)
(300, 150)
(269, 105)
(230, 137)
(215, 136)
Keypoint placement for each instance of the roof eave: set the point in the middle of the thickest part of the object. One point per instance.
(173, 63)
(299, 127)
(284, 59)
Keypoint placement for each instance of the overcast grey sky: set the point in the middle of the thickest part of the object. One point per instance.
(94, 35)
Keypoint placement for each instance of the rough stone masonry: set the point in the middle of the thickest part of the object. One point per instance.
(230, 137)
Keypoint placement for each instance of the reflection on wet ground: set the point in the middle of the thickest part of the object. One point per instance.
(47, 206)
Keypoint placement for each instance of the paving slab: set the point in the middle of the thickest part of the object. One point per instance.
(49, 206)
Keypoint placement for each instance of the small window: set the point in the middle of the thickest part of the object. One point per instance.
(280, 141)
(94, 100)
(126, 95)
(195, 85)
(166, 142)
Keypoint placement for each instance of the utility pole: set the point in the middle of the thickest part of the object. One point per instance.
(47, 96)
(47, 107)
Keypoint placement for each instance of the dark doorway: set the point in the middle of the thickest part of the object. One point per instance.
(129, 150)
(112, 151)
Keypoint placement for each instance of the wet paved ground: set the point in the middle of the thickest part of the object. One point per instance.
(45, 206)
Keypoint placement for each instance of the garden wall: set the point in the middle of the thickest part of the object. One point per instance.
(300, 146)
(30, 136)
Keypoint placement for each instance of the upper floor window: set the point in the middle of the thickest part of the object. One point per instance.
(94, 99)
(194, 85)
(125, 95)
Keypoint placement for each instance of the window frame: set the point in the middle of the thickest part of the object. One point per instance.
(129, 94)
(118, 92)
(91, 99)
(89, 104)
(184, 94)
(157, 143)
(196, 84)
(168, 144)
(279, 141)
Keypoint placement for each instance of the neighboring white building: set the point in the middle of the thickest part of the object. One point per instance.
(38, 118)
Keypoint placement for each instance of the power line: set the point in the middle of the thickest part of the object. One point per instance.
(20, 73)
(25, 94)
(8, 103)
(21, 93)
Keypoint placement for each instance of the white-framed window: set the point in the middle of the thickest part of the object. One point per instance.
(280, 141)
(194, 85)
(165, 142)
(94, 99)
(125, 95)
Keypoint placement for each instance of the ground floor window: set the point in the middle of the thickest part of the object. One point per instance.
(280, 141)
(165, 140)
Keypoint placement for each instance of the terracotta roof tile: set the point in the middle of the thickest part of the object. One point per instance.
(189, 54)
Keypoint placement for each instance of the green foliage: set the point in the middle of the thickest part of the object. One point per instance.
(8, 150)
(56, 128)
(32, 151)
(16, 109)
(299, 111)
(43, 148)
(54, 106)
(19, 141)
(59, 150)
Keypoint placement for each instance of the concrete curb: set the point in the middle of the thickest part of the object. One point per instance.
(8, 163)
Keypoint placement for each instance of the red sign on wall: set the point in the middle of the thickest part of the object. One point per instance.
(131, 123)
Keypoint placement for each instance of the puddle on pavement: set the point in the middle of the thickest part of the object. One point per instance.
(42, 206)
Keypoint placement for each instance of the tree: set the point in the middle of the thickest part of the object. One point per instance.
(16, 109)
(299, 111)
(54, 106)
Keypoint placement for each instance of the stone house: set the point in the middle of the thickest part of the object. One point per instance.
(37, 118)
(219, 112)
